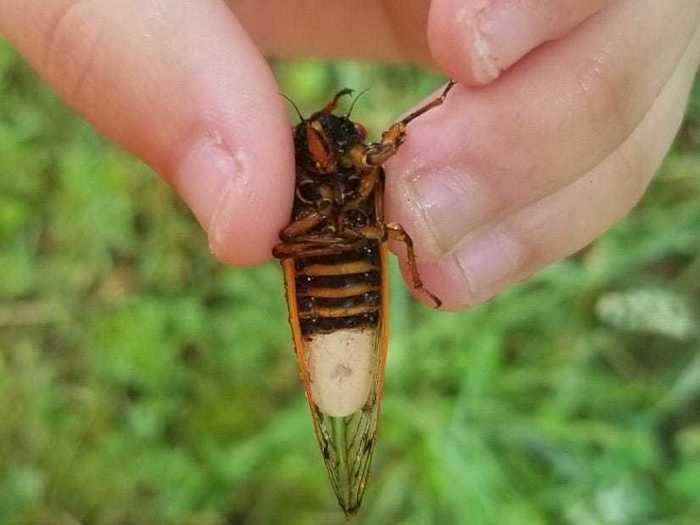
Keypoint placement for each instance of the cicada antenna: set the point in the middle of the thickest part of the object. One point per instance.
(352, 104)
(301, 118)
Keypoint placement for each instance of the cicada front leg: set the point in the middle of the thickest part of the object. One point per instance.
(305, 249)
(301, 226)
(379, 152)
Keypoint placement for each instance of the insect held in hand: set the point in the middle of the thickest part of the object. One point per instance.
(334, 257)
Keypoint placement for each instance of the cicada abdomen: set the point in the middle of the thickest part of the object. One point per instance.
(338, 312)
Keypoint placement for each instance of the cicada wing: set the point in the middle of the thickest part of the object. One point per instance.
(345, 424)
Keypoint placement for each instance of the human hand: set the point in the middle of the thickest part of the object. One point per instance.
(495, 184)
(560, 144)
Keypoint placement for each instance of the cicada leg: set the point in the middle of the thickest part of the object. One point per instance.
(305, 249)
(370, 180)
(395, 232)
(330, 107)
(301, 227)
(379, 152)
(317, 245)
(430, 105)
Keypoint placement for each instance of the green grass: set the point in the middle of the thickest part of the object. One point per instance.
(142, 382)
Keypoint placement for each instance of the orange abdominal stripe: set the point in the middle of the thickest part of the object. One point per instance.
(339, 312)
(346, 291)
(339, 268)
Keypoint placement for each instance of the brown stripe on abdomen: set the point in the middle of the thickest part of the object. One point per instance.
(337, 292)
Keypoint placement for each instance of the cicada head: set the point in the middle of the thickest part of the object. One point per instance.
(323, 140)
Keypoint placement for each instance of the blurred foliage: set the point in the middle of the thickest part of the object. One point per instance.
(141, 382)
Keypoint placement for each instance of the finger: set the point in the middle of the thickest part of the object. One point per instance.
(362, 29)
(475, 41)
(561, 224)
(550, 120)
(181, 85)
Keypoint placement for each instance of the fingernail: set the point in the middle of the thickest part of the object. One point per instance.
(506, 31)
(451, 204)
(490, 261)
(483, 65)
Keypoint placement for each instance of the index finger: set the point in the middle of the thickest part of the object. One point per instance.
(181, 85)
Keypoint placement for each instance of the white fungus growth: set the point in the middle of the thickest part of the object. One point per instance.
(342, 366)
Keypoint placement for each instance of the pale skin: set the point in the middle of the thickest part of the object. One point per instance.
(563, 112)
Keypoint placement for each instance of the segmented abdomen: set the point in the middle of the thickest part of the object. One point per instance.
(336, 292)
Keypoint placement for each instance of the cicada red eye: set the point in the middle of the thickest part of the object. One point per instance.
(317, 147)
(361, 130)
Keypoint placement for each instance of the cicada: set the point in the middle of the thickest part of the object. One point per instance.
(334, 258)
